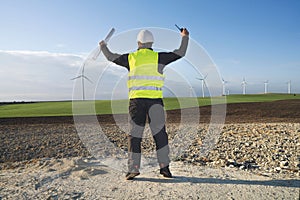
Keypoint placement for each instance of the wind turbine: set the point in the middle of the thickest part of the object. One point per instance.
(266, 86)
(224, 86)
(289, 86)
(191, 91)
(82, 76)
(202, 84)
(244, 83)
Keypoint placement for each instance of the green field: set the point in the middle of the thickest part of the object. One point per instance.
(64, 108)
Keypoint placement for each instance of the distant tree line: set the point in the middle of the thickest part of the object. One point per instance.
(16, 102)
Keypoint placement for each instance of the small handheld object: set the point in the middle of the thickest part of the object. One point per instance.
(111, 32)
(108, 36)
(180, 29)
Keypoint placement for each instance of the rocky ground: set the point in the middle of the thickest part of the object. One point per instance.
(259, 137)
(86, 178)
(258, 145)
(263, 148)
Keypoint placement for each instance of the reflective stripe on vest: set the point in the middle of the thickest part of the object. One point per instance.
(144, 80)
(145, 88)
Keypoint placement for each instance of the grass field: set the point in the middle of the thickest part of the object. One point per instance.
(64, 108)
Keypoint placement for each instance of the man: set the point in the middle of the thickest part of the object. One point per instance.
(145, 82)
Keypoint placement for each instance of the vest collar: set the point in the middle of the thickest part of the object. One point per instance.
(145, 48)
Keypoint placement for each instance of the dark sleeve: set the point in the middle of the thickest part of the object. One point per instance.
(119, 59)
(168, 57)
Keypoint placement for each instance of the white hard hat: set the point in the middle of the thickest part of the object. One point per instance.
(145, 36)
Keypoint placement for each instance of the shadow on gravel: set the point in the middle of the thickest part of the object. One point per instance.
(183, 179)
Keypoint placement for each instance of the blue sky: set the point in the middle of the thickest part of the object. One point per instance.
(43, 43)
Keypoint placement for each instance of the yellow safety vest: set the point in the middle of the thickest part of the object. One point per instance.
(144, 80)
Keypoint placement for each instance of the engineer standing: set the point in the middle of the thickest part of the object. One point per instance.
(145, 82)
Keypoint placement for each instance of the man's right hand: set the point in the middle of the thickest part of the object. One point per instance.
(102, 43)
(184, 32)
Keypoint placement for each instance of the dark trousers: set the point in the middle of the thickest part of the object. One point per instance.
(139, 110)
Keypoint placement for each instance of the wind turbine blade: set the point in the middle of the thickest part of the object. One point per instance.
(82, 71)
(87, 79)
(76, 77)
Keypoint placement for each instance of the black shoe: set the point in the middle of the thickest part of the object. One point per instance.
(131, 175)
(166, 172)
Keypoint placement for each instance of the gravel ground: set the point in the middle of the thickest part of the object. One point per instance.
(265, 148)
(84, 178)
(260, 141)
(268, 140)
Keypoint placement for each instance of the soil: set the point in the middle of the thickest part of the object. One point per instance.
(259, 112)
(38, 137)
(44, 158)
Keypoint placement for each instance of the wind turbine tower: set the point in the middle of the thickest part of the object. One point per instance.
(202, 84)
(244, 83)
(289, 86)
(191, 91)
(82, 76)
(224, 86)
(266, 86)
